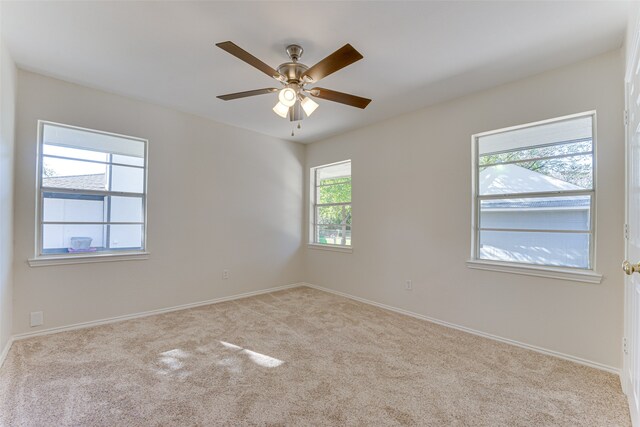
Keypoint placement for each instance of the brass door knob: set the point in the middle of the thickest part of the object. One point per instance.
(629, 268)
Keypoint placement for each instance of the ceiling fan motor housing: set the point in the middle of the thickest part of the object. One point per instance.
(292, 71)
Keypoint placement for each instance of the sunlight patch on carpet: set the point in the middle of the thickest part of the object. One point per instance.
(257, 358)
(172, 361)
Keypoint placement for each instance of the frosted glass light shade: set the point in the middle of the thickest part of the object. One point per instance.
(287, 97)
(309, 105)
(281, 110)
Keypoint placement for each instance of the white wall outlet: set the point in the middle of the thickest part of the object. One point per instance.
(37, 318)
(408, 285)
(225, 274)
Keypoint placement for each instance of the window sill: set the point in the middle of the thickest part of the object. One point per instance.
(346, 249)
(48, 260)
(587, 276)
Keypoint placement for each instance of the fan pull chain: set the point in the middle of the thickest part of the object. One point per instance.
(293, 130)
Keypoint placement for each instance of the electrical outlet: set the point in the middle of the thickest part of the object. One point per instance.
(37, 318)
(225, 274)
(408, 285)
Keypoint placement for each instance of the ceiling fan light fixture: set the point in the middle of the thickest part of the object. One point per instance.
(281, 110)
(287, 97)
(308, 105)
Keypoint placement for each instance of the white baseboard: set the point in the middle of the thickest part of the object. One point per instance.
(5, 351)
(83, 325)
(473, 331)
(148, 313)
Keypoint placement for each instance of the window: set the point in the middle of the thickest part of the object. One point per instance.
(534, 194)
(331, 204)
(91, 192)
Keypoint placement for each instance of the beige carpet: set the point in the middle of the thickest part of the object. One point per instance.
(298, 357)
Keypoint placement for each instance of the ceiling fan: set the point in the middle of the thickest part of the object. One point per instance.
(294, 97)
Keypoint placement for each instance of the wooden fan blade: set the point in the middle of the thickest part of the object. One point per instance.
(245, 56)
(343, 98)
(237, 95)
(339, 59)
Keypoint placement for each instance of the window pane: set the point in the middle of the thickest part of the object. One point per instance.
(127, 179)
(60, 207)
(329, 181)
(542, 213)
(338, 193)
(73, 174)
(81, 149)
(580, 146)
(333, 214)
(126, 209)
(563, 174)
(74, 153)
(553, 249)
(125, 236)
(333, 235)
(128, 160)
(516, 162)
(72, 238)
(332, 186)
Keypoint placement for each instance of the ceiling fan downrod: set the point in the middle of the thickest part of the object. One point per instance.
(295, 52)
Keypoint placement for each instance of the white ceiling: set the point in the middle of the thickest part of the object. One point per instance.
(415, 53)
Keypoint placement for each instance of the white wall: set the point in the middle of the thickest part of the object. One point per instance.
(218, 197)
(632, 27)
(8, 83)
(412, 211)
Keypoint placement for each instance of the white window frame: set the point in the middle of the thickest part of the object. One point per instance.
(313, 244)
(588, 275)
(45, 259)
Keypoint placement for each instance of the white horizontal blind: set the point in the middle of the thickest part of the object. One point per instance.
(535, 194)
(536, 135)
(63, 136)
